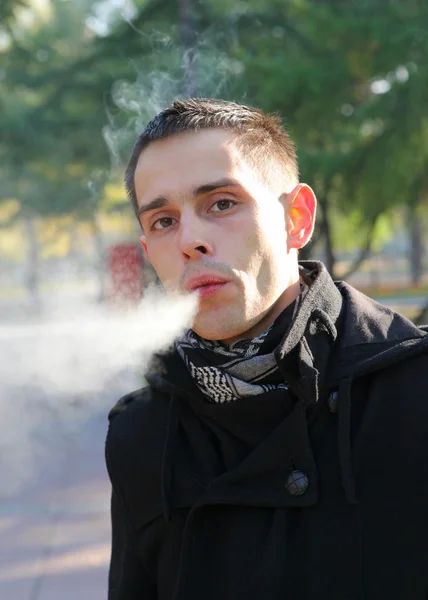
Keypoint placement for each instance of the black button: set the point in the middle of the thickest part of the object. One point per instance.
(297, 483)
(333, 402)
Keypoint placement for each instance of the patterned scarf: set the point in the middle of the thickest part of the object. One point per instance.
(224, 373)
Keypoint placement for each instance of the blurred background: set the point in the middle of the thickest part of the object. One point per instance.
(78, 81)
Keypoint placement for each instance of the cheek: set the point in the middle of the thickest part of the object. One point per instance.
(246, 239)
(273, 223)
(267, 249)
(161, 260)
(267, 241)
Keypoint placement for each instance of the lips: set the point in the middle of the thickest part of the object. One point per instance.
(204, 281)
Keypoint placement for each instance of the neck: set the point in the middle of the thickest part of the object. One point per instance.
(287, 297)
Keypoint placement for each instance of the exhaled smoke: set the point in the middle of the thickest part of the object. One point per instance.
(56, 374)
(212, 71)
(62, 372)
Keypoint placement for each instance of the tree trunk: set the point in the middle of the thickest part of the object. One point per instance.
(365, 250)
(188, 41)
(416, 254)
(305, 253)
(422, 317)
(325, 224)
(32, 279)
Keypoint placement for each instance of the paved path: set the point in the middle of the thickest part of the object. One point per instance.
(54, 489)
(55, 532)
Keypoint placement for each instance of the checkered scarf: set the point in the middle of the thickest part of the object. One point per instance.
(224, 373)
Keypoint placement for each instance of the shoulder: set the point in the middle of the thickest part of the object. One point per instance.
(145, 403)
(413, 369)
(134, 449)
(405, 384)
(137, 426)
(136, 401)
(366, 321)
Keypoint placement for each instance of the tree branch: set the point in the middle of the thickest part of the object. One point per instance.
(326, 234)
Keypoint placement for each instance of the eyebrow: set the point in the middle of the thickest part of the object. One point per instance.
(206, 188)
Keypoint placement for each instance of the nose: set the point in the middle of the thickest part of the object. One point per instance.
(193, 239)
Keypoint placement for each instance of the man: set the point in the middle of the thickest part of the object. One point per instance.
(281, 450)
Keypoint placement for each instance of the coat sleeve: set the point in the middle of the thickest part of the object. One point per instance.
(128, 578)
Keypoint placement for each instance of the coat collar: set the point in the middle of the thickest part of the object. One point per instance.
(305, 349)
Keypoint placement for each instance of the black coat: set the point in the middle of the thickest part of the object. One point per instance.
(316, 494)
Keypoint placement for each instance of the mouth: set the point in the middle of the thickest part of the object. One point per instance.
(206, 285)
(209, 289)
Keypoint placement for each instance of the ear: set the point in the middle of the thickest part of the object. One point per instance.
(302, 205)
(144, 244)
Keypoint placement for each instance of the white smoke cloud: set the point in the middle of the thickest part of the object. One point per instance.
(58, 373)
(211, 69)
(61, 371)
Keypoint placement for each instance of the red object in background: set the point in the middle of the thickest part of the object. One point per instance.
(125, 267)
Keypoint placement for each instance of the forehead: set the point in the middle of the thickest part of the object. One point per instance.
(180, 163)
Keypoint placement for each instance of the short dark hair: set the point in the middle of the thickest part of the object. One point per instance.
(262, 136)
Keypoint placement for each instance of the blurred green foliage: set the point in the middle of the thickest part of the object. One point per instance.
(349, 78)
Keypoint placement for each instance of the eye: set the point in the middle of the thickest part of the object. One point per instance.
(223, 205)
(162, 223)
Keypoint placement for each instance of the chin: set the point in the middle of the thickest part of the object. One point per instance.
(209, 333)
(214, 329)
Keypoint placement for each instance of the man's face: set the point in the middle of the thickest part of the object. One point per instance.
(211, 217)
